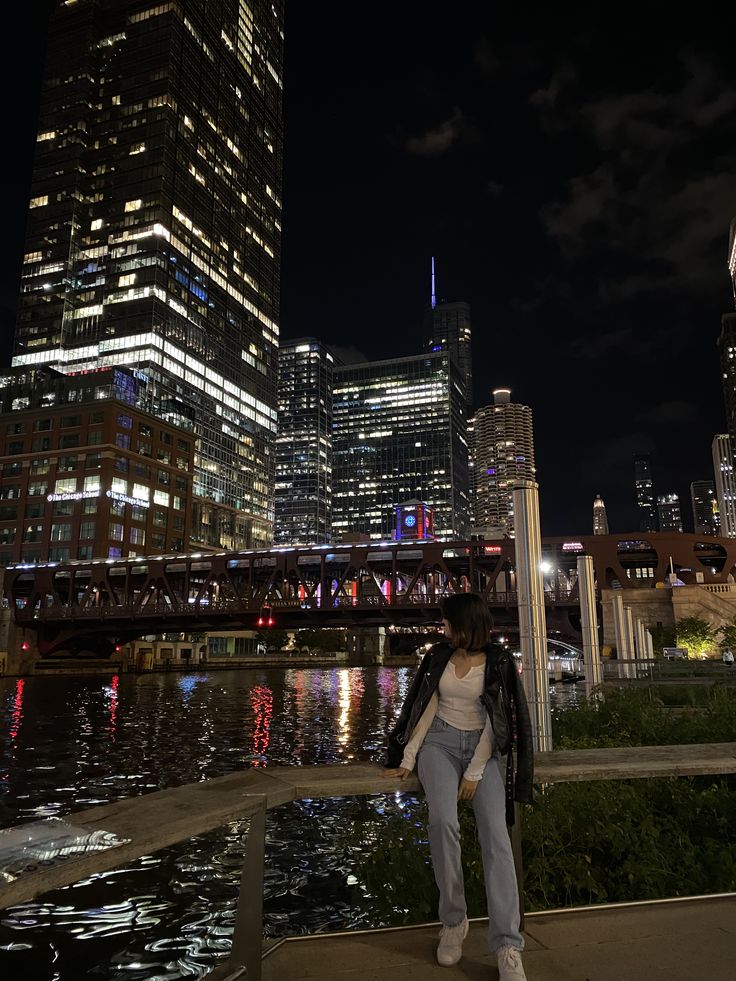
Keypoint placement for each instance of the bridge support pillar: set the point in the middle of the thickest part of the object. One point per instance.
(532, 617)
(18, 647)
(589, 621)
(367, 645)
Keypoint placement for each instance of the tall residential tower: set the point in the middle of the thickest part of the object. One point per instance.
(600, 517)
(502, 452)
(725, 483)
(447, 328)
(645, 504)
(154, 229)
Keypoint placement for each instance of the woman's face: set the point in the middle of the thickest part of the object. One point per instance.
(447, 629)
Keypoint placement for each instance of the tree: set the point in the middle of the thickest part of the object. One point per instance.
(695, 634)
(273, 639)
(662, 637)
(728, 635)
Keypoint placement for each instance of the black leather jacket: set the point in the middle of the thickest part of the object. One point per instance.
(505, 702)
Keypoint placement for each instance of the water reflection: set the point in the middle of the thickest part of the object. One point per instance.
(69, 743)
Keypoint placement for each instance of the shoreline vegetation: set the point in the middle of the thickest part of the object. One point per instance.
(582, 843)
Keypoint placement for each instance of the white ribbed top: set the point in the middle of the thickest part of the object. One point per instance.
(459, 703)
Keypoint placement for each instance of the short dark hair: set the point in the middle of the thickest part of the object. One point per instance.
(470, 620)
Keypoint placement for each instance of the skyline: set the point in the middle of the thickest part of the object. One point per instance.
(580, 208)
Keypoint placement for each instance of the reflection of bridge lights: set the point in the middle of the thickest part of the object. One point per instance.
(344, 703)
(261, 700)
(113, 693)
(545, 567)
(16, 714)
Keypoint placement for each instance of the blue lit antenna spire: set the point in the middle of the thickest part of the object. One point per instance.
(434, 291)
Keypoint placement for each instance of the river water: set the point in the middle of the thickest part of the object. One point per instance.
(69, 743)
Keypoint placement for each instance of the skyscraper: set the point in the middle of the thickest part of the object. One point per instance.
(706, 518)
(154, 228)
(502, 452)
(645, 492)
(668, 509)
(447, 328)
(600, 518)
(399, 434)
(304, 444)
(727, 351)
(725, 483)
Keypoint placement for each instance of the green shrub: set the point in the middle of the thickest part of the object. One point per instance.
(588, 842)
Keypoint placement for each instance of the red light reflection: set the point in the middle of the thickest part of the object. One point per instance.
(261, 700)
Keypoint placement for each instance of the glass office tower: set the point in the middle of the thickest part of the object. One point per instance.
(154, 228)
(304, 444)
(400, 434)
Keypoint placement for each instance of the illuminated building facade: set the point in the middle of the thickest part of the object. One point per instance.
(153, 234)
(87, 472)
(399, 433)
(725, 483)
(727, 350)
(447, 328)
(704, 502)
(502, 451)
(668, 512)
(304, 444)
(414, 522)
(600, 517)
(644, 486)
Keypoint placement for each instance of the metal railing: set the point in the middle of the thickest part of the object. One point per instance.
(154, 821)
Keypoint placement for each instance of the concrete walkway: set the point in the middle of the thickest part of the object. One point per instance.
(684, 941)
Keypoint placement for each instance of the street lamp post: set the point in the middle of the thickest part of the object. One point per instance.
(532, 618)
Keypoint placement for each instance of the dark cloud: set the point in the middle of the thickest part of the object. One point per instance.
(674, 413)
(657, 193)
(439, 140)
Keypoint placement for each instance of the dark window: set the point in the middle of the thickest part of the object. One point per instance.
(34, 510)
(122, 440)
(14, 448)
(125, 421)
(14, 429)
(62, 509)
(43, 425)
(11, 513)
(166, 438)
(97, 417)
(10, 492)
(41, 443)
(69, 422)
(71, 439)
(94, 438)
(11, 469)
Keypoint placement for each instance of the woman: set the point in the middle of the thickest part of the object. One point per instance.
(465, 707)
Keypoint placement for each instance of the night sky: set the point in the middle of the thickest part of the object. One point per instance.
(574, 173)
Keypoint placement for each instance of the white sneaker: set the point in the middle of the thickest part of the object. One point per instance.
(510, 967)
(450, 949)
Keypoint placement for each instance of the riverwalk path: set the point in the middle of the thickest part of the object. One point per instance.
(692, 940)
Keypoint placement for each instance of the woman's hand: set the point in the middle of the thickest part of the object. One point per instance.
(397, 771)
(467, 789)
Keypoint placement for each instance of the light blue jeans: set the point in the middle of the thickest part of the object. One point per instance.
(442, 759)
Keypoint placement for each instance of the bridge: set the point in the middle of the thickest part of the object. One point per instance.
(97, 604)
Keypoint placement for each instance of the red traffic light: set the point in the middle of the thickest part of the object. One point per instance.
(25, 646)
(118, 648)
(265, 619)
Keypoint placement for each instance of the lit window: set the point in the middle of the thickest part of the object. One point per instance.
(133, 205)
(96, 224)
(39, 202)
(126, 280)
